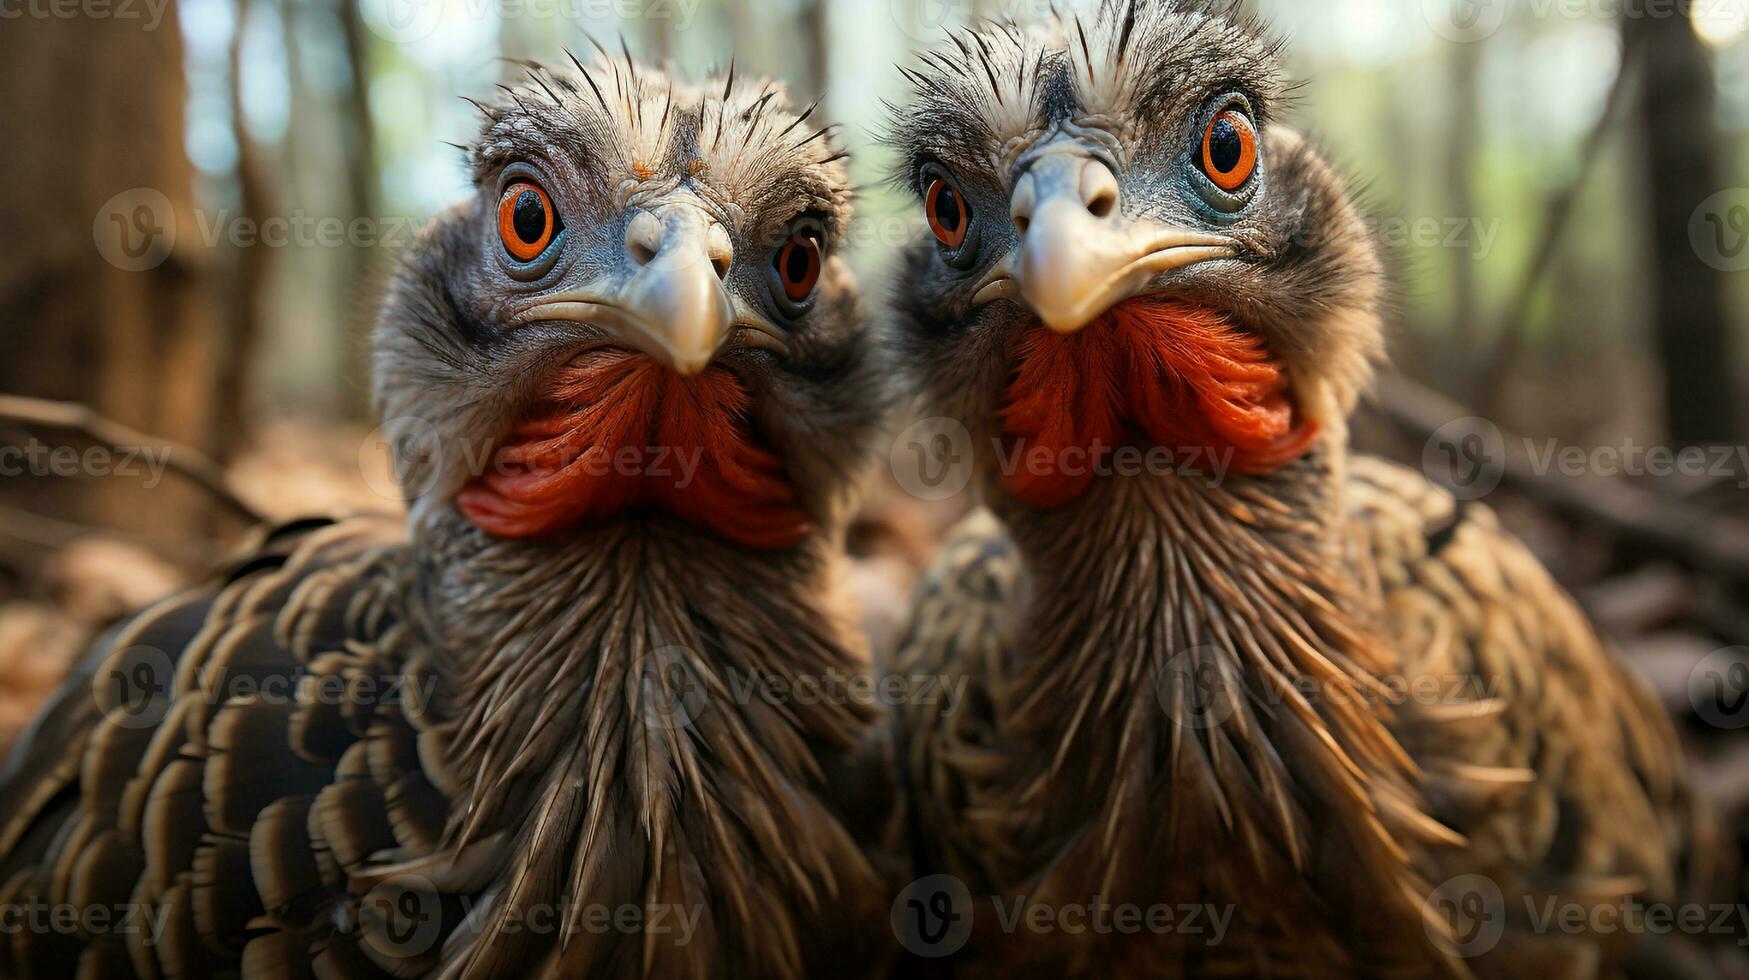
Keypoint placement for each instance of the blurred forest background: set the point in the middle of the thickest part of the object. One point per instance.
(200, 199)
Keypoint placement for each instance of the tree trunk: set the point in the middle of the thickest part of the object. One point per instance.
(1682, 172)
(367, 268)
(817, 36)
(1465, 136)
(104, 288)
(249, 267)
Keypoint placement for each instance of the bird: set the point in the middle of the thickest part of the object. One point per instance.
(1216, 664)
(589, 707)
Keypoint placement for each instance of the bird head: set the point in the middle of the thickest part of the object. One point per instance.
(1125, 246)
(641, 307)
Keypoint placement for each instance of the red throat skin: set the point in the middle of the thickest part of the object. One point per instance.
(616, 431)
(1177, 376)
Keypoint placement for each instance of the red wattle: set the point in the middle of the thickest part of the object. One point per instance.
(1184, 377)
(617, 431)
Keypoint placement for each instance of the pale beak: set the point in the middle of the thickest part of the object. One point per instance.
(1079, 256)
(674, 307)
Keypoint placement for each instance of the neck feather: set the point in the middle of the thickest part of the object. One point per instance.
(1204, 695)
(608, 709)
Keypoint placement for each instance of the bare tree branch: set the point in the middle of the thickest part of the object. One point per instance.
(1693, 537)
(185, 461)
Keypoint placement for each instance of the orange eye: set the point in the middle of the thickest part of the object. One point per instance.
(526, 222)
(1229, 150)
(798, 265)
(948, 215)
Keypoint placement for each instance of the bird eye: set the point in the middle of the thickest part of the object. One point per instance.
(526, 221)
(1229, 150)
(948, 215)
(798, 266)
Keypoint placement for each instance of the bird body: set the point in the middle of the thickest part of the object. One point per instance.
(1367, 746)
(305, 793)
(544, 725)
(1349, 722)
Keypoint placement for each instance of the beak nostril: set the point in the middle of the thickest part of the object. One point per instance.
(1099, 189)
(1020, 223)
(644, 238)
(721, 264)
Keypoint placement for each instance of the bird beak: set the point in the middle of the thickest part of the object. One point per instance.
(680, 314)
(1079, 256)
(674, 307)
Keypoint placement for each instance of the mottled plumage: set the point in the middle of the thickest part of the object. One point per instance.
(432, 751)
(1312, 695)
